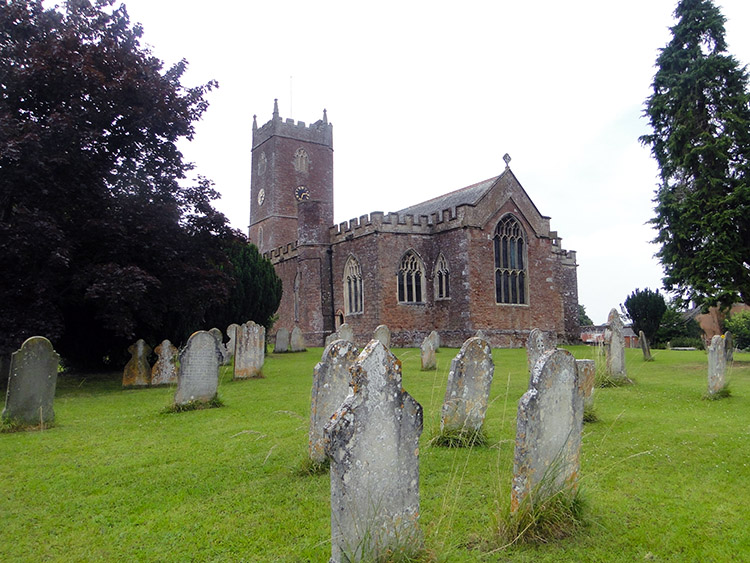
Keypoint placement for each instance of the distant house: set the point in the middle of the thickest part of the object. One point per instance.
(594, 335)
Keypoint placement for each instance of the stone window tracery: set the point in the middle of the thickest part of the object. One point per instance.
(442, 278)
(301, 161)
(353, 297)
(411, 279)
(510, 262)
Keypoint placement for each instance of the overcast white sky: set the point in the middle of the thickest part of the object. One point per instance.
(426, 96)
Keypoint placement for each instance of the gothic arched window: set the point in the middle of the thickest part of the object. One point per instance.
(510, 262)
(411, 279)
(301, 161)
(353, 298)
(442, 278)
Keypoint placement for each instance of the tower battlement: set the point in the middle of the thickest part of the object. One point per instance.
(320, 132)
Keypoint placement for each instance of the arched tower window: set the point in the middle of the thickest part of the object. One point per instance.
(510, 262)
(442, 278)
(411, 279)
(301, 161)
(353, 298)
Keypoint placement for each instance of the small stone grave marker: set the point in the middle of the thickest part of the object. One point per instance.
(586, 380)
(198, 379)
(717, 364)
(297, 340)
(429, 360)
(31, 383)
(164, 371)
(282, 341)
(383, 334)
(615, 345)
(435, 338)
(137, 372)
(729, 345)
(232, 335)
(220, 341)
(645, 347)
(249, 350)
(537, 344)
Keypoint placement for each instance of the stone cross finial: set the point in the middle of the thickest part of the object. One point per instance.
(506, 158)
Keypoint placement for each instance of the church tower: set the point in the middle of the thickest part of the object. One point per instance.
(291, 163)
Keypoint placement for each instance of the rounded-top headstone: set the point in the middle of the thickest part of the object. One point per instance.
(199, 369)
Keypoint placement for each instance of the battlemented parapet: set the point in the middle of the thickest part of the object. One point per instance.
(320, 132)
(282, 253)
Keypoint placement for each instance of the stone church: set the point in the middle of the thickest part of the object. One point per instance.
(481, 257)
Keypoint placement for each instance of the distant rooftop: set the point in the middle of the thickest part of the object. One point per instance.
(468, 195)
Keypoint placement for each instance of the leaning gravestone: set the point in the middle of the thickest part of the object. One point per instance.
(586, 380)
(373, 443)
(137, 372)
(232, 334)
(645, 348)
(717, 364)
(538, 343)
(282, 341)
(32, 382)
(548, 434)
(429, 361)
(220, 341)
(729, 345)
(199, 369)
(435, 338)
(249, 351)
(164, 371)
(297, 340)
(383, 334)
(615, 341)
(331, 378)
(468, 390)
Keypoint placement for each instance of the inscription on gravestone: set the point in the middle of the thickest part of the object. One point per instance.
(538, 343)
(282, 341)
(297, 340)
(198, 379)
(250, 350)
(31, 383)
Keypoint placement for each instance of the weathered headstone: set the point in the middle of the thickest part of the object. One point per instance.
(346, 332)
(217, 334)
(383, 334)
(331, 338)
(586, 380)
(480, 334)
(468, 390)
(548, 434)
(435, 338)
(537, 344)
(31, 383)
(729, 345)
(282, 341)
(331, 378)
(615, 344)
(373, 443)
(429, 361)
(297, 340)
(645, 348)
(198, 379)
(717, 364)
(137, 372)
(249, 350)
(164, 371)
(232, 335)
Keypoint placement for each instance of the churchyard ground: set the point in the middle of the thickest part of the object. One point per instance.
(664, 473)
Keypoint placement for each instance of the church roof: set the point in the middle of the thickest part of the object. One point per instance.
(468, 195)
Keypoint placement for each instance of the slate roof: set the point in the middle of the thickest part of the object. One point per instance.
(468, 195)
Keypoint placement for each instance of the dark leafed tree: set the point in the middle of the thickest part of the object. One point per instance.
(103, 238)
(700, 115)
(646, 309)
(583, 318)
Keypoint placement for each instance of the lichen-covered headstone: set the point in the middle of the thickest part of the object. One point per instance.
(331, 338)
(468, 390)
(198, 379)
(137, 372)
(548, 434)
(435, 338)
(31, 383)
(164, 371)
(331, 378)
(373, 443)
(717, 364)
(480, 334)
(537, 344)
(615, 342)
(249, 350)
(586, 380)
(282, 341)
(297, 340)
(232, 335)
(222, 347)
(729, 346)
(429, 361)
(383, 334)
(645, 348)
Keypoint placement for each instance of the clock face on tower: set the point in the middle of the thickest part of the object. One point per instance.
(261, 196)
(302, 193)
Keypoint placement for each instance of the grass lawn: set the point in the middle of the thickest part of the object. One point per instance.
(664, 473)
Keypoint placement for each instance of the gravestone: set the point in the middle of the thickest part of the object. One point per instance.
(331, 378)
(232, 335)
(137, 372)
(468, 390)
(249, 350)
(346, 332)
(586, 380)
(480, 334)
(31, 383)
(297, 340)
(429, 361)
(383, 334)
(645, 348)
(729, 345)
(199, 369)
(717, 364)
(164, 371)
(373, 443)
(282, 341)
(548, 435)
(217, 334)
(537, 344)
(615, 345)
(435, 338)
(331, 338)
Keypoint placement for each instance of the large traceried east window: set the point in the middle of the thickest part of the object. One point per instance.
(442, 278)
(353, 298)
(510, 262)
(411, 279)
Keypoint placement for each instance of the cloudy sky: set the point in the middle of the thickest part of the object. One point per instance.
(426, 96)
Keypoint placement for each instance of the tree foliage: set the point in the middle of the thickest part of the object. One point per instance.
(645, 308)
(700, 115)
(739, 325)
(103, 238)
(678, 328)
(583, 318)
